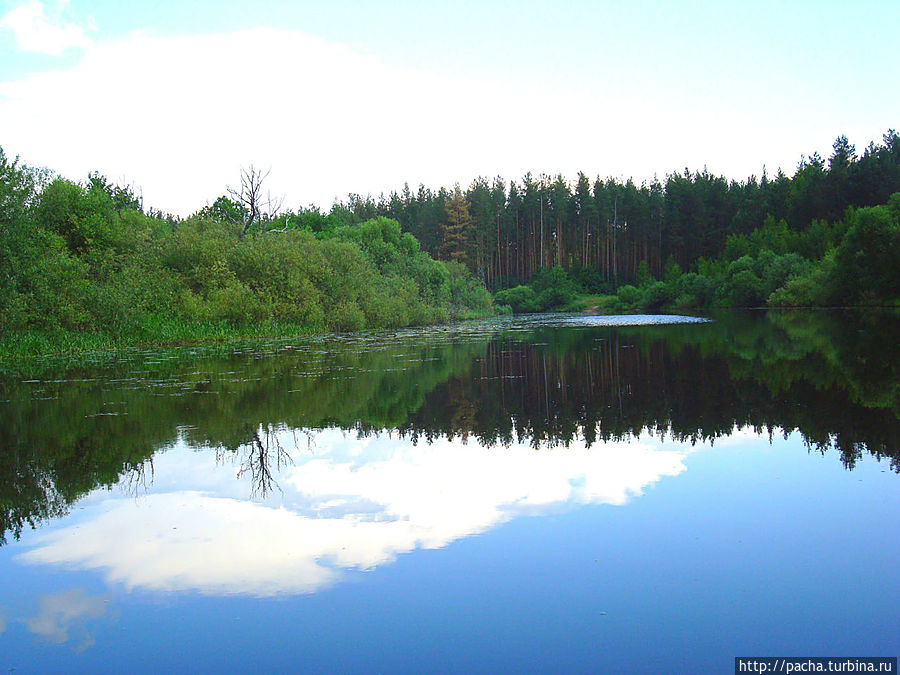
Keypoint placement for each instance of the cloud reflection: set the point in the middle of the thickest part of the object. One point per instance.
(354, 505)
(61, 612)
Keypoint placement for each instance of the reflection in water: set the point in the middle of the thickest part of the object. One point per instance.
(542, 382)
(260, 471)
(63, 612)
(353, 505)
(262, 460)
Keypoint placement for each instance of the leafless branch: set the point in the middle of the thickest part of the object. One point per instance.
(264, 459)
(250, 197)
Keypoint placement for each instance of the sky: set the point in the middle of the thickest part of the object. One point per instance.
(346, 96)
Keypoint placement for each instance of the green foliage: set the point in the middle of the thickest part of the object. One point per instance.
(744, 289)
(749, 281)
(347, 316)
(522, 299)
(467, 295)
(643, 277)
(553, 278)
(812, 289)
(83, 258)
(224, 210)
(554, 297)
(656, 295)
(455, 232)
(672, 271)
(587, 280)
(863, 268)
(550, 289)
(82, 215)
(694, 290)
(554, 288)
(867, 261)
(629, 295)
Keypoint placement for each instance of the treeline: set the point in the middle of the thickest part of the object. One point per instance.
(85, 259)
(854, 261)
(507, 232)
(85, 265)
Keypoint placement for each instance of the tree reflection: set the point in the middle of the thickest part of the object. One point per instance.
(832, 377)
(261, 460)
(137, 478)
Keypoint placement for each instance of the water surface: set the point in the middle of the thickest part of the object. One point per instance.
(553, 493)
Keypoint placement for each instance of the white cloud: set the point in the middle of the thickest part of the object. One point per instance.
(355, 505)
(62, 612)
(178, 116)
(36, 32)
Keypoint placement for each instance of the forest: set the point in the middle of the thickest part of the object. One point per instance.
(507, 232)
(85, 265)
(828, 235)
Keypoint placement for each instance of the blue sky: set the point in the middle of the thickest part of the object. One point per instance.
(343, 97)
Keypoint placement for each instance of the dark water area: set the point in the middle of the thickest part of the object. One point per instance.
(543, 494)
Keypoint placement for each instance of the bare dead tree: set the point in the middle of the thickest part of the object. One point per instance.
(135, 478)
(256, 206)
(264, 459)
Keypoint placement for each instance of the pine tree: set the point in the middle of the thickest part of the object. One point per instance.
(455, 233)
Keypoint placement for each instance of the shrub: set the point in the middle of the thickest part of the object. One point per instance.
(554, 277)
(554, 297)
(522, 299)
(466, 291)
(745, 289)
(586, 280)
(629, 295)
(643, 277)
(694, 290)
(672, 271)
(656, 295)
(813, 288)
(866, 261)
(347, 316)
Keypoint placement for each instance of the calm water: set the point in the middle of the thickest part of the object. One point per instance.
(549, 494)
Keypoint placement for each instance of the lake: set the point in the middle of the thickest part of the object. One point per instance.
(552, 493)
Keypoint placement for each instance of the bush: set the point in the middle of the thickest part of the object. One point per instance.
(866, 261)
(347, 317)
(656, 295)
(554, 297)
(810, 290)
(629, 295)
(694, 290)
(234, 303)
(745, 289)
(643, 277)
(467, 294)
(522, 299)
(783, 268)
(672, 271)
(587, 280)
(554, 277)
